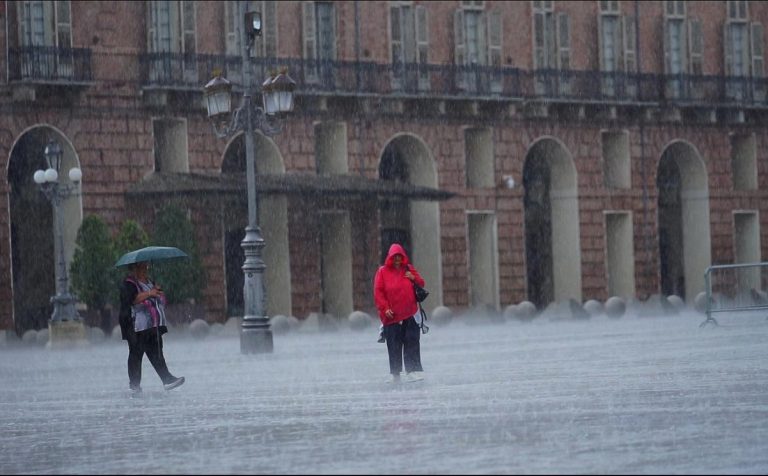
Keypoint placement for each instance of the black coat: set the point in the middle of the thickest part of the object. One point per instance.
(128, 292)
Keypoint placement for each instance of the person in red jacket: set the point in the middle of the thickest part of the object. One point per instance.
(396, 302)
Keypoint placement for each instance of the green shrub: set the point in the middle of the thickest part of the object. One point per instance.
(131, 236)
(182, 279)
(92, 269)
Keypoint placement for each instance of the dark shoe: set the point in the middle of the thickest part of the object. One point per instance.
(381, 338)
(174, 383)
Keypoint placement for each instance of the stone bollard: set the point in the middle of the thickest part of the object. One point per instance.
(525, 311)
(359, 320)
(29, 337)
(677, 302)
(593, 307)
(441, 316)
(117, 334)
(700, 302)
(43, 336)
(96, 335)
(615, 307)
(199, 329)
(510, 311)
(280, 324)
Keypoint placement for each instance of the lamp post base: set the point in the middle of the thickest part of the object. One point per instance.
(255, 341)
(66, 334)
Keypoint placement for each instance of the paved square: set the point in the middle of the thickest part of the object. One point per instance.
(634, 395)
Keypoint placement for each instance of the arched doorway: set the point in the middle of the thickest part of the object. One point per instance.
(273, 221)
(414, 224)
(33, 251)
(683, 220)
(552, 250)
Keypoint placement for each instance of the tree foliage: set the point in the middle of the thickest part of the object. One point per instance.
(130, 237)
(182, 279)
(92, 269)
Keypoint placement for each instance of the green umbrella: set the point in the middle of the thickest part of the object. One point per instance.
(150, 253)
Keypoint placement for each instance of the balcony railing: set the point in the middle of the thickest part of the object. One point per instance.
(449, 81)
(49, 63)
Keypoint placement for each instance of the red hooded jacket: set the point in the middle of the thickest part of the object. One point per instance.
(392, 290)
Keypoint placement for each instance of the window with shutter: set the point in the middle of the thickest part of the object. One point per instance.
(270, 31)
(695, 57)
(473, 26)
(544, 46)
(319, 41)
(396, 47)
(309, 42)
(609, 6)
(230, 28)
(326, 30)
(610, 45)
(45, 33)
(188, 27)
(422, 47)
(675, 48)
(459, 56)
(63, 24)
(64, 59)
(171, 35)
(187, 41)
(564, 52)
(696, 47)
(162, 25)
(473, 5)
(32, 23)
(629, 39)
(494, 51)
(737, 57)
(674, 9)
(758, 62)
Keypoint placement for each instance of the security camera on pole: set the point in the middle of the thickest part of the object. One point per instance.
(277, 96)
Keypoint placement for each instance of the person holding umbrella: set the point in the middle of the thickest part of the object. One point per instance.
(143, 322)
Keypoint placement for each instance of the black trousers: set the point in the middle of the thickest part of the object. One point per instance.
(147, 342)
(403, 346)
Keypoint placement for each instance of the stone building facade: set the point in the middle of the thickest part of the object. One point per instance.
(536, 150)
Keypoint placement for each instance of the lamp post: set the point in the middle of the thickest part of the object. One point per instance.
(56, 192)
(277, 97)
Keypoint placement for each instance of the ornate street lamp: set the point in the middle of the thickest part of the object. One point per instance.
(277, 96)
(56, 192)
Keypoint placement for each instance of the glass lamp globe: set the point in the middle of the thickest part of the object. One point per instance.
(75, 174)
(51, 175)
(39, 177)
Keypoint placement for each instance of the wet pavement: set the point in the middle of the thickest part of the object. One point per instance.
(633, 395)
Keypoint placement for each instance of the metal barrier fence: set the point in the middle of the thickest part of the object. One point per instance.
(735, 288)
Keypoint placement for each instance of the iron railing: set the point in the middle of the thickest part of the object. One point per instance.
(448, 81)
(49, 63)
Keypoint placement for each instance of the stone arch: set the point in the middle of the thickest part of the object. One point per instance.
(552, 245)
(415, 224)
(273, 221)
(685, 249)
(33, 248)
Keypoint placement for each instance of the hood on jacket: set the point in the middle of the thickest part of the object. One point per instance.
(396, 249)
